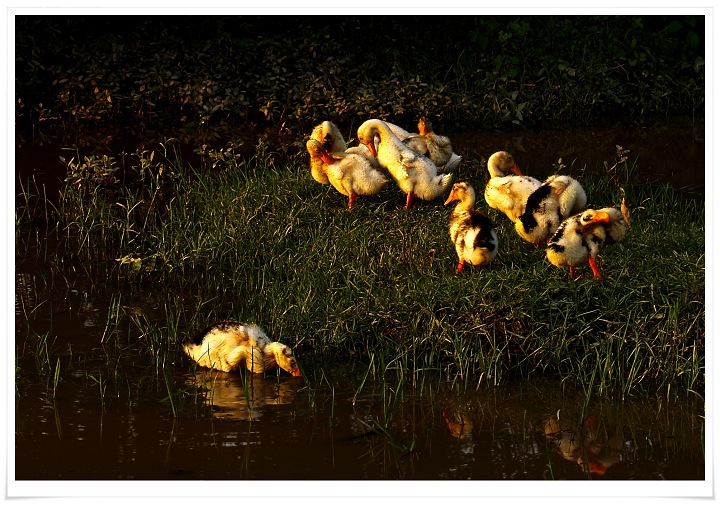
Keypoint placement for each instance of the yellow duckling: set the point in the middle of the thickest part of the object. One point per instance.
(229, 345)
(416, 175)
(508, 190)
(581, 237)
(471, 231)
(349, 173)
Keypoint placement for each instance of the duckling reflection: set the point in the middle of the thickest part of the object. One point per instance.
(461, 427)
(584, 444)
(459, 424)
(242, 396)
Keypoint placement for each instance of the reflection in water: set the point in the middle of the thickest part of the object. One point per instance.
(233, 426)
(25, 300)
(523, 442)
(242, 396)
(585, 444)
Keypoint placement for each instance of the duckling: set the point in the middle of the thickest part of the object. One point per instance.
(571, 195)
(508, 189)
(436, 147)
(471, 231)
(328, 134)
(349, 173)
(546, 207)
(415, 174)
(318, 166)
(230, 345)
(581, 237)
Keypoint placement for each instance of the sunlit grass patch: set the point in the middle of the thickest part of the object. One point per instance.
(262, 242)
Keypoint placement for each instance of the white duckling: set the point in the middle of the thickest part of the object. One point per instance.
(546, 207)
(508, 190)
(436, 147)
(229, 345)
(415, 174)
(349, 173)
(571, 195)
(328, 134)
(471, 231)
(581, 237)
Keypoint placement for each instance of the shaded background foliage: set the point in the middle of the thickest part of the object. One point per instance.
(283, 74)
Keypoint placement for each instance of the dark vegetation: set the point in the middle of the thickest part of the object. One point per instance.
(207, 78)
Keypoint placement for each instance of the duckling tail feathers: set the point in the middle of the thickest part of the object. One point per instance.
(447, 180)
(454, 161)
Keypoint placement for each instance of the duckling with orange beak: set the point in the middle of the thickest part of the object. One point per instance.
(581, 237)
(436, 147)
(508, 189)
(349, 173)
(471, 231)
(230, 346)
(415, 174)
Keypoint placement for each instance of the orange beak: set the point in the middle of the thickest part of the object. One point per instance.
(326, 158)
(371, 146)
(297, 373)
(451, 198)
(601, 217)
(516, 170)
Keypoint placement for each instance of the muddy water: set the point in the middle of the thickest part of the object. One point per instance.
(86, 409)
(674, 154)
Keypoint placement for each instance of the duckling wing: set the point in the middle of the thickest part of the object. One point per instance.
(454, 161)
(399, 132)
(440, 149)
(359, 176)
(417, 143)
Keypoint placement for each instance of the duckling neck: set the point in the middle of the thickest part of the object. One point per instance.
(495, 170)
(464, 205)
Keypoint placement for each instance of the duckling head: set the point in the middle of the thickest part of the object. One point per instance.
(366, 135)
(284, 358)
(591, 216)
(424, 126)
(328, 134)
(317, 150)
(501, 163)
(461, 192)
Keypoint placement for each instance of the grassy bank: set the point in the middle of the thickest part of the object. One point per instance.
(262, 242)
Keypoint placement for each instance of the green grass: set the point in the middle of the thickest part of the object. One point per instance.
(261, 241)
